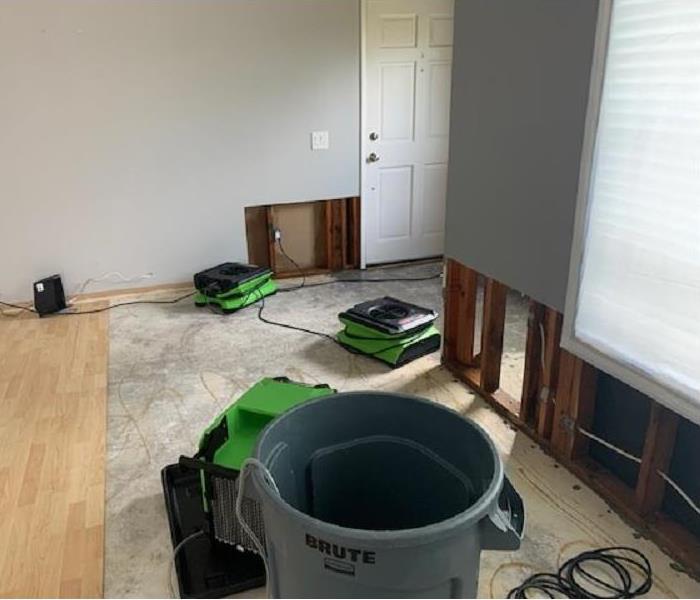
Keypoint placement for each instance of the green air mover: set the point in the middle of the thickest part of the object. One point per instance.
(200, 493)
(230, 438)
(233, 286)
(390, 330)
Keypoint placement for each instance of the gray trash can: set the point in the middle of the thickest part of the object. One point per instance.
(380, 496)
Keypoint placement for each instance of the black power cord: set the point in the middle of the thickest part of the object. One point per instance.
(322, 334)
(327, 336)
(619, 572)
(261, 308)
(296, 266)
(103, 309)
(360, 280)
(303, 284)
(18, 307)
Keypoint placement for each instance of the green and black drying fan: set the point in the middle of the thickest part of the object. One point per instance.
(201, 492)
(233, 286)
(391, 330)
(230, 439)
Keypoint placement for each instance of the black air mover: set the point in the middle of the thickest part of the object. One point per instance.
(201, 492)
(233, 286)
(391, 330)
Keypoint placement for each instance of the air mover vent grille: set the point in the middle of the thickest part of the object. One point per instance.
(391, 315)
(227, 528)
(235, 270)
(226, 277)
(388, 312)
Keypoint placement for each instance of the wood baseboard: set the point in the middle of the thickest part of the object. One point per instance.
(144, 291)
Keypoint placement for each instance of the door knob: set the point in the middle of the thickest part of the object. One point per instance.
(374, 136)
(372, 157)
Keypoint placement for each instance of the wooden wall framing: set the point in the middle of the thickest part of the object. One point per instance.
(558, 402)
(333, 230)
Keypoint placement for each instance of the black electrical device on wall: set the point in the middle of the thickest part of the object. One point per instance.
(48, 295)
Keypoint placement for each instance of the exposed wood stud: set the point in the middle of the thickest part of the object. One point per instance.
(556, 422)
(575, 402)
(562, 422)
(353, 233)
(584, 392)
(336, 242)
(532, 372)
(495, 294)
(460, 314)
(328, 231)
(337, 228)
(551, 327)
(658, 449)
(269, 216)
(342, 231)
(503, 403)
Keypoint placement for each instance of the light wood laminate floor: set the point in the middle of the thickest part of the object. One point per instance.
(53, 385)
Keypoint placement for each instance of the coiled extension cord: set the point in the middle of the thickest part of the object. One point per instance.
(618, 571)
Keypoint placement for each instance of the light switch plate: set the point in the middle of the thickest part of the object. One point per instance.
(319, 140)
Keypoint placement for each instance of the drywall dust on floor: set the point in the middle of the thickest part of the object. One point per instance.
(174, 367)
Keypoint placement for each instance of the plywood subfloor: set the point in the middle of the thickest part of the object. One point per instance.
(53, 379)
(173, 368)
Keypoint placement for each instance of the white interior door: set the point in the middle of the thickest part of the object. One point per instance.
(406, 116)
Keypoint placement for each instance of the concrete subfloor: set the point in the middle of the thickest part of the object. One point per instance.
(174, 367)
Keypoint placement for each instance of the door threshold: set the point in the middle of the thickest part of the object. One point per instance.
(406, 263)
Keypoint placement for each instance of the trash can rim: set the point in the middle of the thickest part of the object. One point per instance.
(417, 535)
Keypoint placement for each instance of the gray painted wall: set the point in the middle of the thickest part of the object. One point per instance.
(134, 133)
(519, 94)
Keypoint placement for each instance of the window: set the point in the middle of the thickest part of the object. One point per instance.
(633, 302)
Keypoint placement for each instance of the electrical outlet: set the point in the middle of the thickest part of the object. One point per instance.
(320, 140)
(278, 234)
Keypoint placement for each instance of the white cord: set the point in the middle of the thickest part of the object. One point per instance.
(681, 493)
(542, 345)
(601, 441)
(638, 460)
(620, 451)
(239, 515)
(110, 275)
(253, 462)
(177, 549)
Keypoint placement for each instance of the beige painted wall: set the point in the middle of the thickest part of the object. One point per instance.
(133, 133)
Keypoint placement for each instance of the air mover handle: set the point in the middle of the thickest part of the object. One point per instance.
(503, 529)
(197, 464)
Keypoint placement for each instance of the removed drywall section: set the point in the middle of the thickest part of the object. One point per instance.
(316, 237)
(134, 133)
(519, 92)
(621, 418)
(300, 226)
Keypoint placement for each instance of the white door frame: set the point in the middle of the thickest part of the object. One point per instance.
(363, 120)
(364, 141)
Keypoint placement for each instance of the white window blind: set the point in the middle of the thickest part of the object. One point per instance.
(633, 306)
